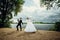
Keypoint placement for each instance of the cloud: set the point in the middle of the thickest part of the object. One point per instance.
(31, 8)
(36, 2)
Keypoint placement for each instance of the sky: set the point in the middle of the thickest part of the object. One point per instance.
(33, 10)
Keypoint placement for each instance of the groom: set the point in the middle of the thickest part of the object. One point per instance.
(19, 24)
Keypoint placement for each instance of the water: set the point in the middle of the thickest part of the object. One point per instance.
(38, 26)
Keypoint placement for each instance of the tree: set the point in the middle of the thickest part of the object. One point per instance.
(50, 3)
(6, 9)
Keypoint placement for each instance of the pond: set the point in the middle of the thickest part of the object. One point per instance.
(38, 26)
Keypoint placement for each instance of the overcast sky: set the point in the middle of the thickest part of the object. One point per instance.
(32, 9)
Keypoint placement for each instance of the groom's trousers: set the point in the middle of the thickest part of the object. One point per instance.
(18, 28)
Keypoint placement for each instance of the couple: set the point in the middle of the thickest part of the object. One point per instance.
(29, 27)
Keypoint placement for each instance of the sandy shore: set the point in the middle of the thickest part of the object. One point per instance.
(12, 34)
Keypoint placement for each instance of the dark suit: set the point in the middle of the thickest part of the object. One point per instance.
(19, 24)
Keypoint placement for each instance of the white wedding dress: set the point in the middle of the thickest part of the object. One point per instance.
(30, 27)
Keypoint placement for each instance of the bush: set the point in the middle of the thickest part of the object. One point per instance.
(6, 25)
(57, 26)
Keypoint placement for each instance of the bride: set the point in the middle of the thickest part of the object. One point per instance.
(30, 27)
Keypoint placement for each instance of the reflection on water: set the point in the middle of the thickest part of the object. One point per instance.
(38, 26)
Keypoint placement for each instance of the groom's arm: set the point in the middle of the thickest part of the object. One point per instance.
(22, 22)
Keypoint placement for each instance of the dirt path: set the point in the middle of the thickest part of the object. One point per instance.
(12, 34)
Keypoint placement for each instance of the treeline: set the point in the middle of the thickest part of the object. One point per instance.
(34, 23)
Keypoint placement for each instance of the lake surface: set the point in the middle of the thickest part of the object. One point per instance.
(38, 26)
